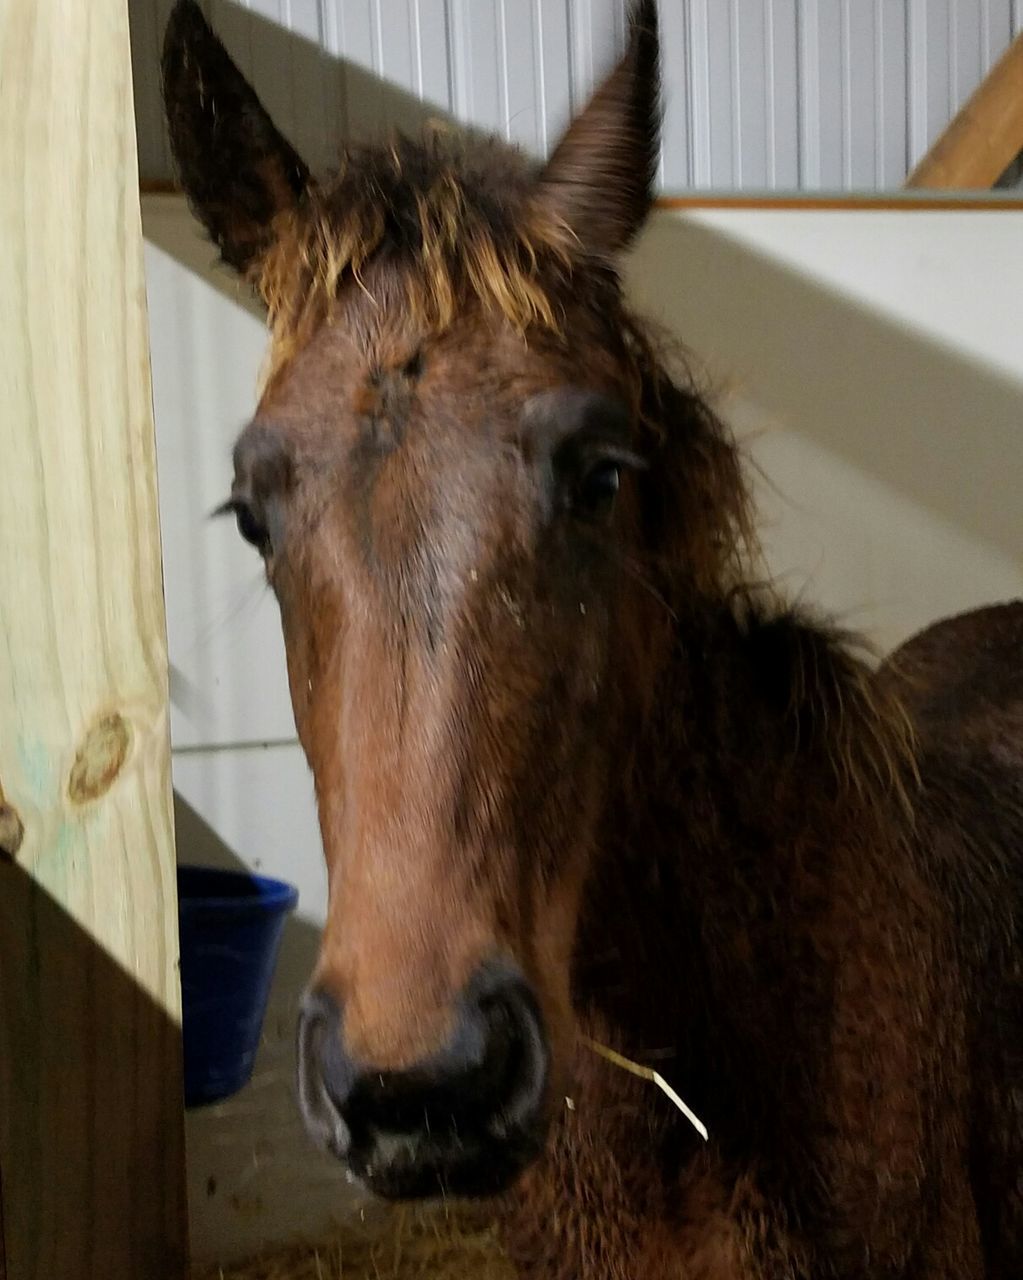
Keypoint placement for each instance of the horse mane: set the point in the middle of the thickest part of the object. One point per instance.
(454, 223)
(832, 702)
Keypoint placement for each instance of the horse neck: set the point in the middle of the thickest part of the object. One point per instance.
(702, 898)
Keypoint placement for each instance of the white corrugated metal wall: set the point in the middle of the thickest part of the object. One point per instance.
(761, 95)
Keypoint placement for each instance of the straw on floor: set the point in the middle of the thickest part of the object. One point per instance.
(398, 1244)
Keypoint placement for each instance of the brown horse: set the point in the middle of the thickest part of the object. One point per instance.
(575, 775)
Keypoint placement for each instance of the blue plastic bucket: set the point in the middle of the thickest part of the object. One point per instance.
(230, 925)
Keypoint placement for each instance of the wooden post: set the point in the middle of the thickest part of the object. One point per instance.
(91, 1121)
(985, 137)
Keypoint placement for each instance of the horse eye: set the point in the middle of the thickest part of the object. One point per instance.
(598, 489)
(251, 528)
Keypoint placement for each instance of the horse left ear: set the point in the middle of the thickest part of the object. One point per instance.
(600, 179)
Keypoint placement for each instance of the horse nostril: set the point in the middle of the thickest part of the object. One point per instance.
(325, 1076)
(516, 1059)
(488, 1080)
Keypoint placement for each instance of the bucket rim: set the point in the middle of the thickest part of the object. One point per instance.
(268, 893)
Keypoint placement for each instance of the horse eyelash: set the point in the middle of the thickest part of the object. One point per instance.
(239, 508)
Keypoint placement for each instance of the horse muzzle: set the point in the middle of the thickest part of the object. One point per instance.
(465, 1122)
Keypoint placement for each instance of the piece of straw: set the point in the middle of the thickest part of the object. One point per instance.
(647, 1073)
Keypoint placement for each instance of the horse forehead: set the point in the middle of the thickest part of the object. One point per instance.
(446, 409)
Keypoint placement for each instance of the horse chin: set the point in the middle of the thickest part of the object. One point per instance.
(399, 1168)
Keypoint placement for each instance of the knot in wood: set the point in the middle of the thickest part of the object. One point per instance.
(99, 759)
(12, 830)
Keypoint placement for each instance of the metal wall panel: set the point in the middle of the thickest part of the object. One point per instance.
(228, 675)
(759, 94)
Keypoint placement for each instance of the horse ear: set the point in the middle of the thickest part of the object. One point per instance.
(238, 171)
(600, 179)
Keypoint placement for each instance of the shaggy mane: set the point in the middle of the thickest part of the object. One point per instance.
(457, 222)
(833, 702)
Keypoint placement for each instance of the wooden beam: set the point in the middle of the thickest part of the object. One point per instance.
(985, 137)
(894, 202)
(91, 1120)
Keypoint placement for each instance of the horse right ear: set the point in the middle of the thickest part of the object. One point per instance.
(237, 170)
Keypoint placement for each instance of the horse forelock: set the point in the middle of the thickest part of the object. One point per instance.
(452, 223)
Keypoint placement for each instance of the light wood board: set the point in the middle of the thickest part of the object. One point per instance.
(91, 1121)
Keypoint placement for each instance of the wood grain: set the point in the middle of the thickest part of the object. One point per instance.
(984, 137)
(91, 1122)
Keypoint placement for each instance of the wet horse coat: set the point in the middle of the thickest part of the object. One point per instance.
(575, 772)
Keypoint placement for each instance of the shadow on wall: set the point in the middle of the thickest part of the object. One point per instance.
(254, 1176)
(318, 100)
(922, 417)
(90, 1110)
